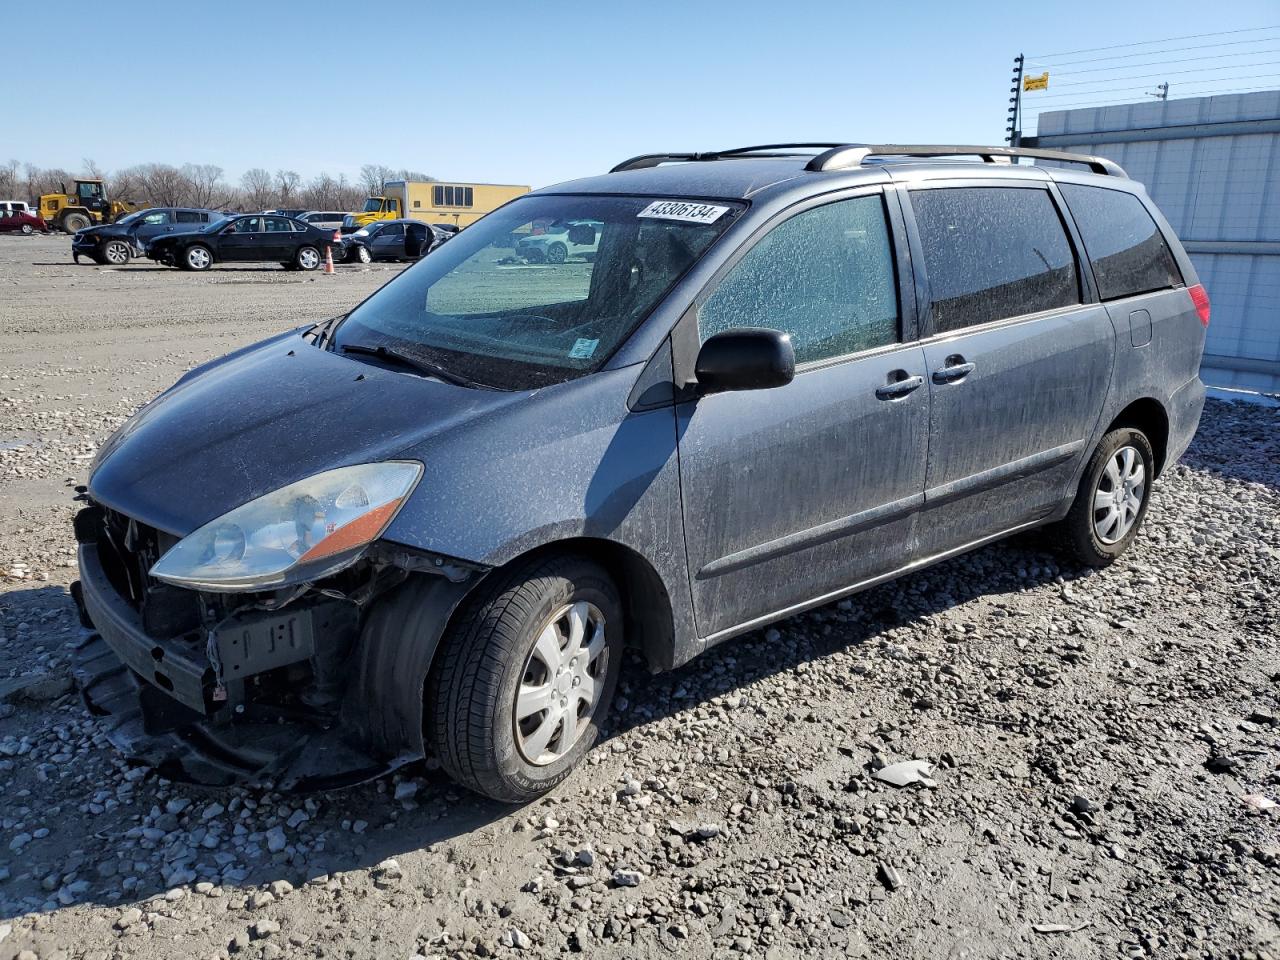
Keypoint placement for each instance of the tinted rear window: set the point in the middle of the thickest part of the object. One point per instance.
(1127, 250)
(992, 253)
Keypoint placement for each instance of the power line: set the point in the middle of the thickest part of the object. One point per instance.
(1151, 76)
(1183, 93)
(1124, 56)
(1146, 43)
(1160, 63)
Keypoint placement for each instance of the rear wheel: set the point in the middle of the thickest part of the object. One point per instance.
(307, 258)
(116, 253)
(1112, 499)
(557, 253)
(73, 222)
(524, 678)
(27, 229)
(197, 257)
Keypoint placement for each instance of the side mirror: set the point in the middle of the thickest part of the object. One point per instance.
(747, 359)
(582, 235)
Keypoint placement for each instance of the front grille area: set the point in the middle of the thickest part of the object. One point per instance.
(127, 550)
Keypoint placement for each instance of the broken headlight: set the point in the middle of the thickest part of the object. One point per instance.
(307, 530)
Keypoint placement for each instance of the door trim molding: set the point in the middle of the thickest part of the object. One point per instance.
(818, 601)
(1005, 473)
(813, 536)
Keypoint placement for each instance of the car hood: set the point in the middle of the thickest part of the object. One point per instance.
(103, 230)
(264, 417)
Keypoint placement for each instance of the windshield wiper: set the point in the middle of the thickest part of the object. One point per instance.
(418, 364)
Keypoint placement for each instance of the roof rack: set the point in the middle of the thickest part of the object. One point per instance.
(766, 149)
(853, 155)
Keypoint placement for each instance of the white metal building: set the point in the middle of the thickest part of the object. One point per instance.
(1213, 166)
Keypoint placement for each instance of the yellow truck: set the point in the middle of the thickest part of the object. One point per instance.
(460, 204)
(87, 206)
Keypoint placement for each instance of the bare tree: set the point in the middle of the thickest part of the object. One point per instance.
(259, 189)
(127, 184)
(46, 180)
(205, 184)
(373, 176)
(165, 184)
(9, 181)
(92, 170)
(406, 174)
(287, 182)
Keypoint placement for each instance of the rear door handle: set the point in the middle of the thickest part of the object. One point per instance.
(897, 389)
(955, 368)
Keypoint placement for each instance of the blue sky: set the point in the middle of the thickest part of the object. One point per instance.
(529, 92)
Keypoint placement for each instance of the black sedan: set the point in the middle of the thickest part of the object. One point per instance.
(249, 238)
(117, 243)
(392, 240)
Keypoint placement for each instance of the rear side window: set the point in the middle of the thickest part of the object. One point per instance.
(188, 216)
(825, 276)
(992, 253)
(1127, 250)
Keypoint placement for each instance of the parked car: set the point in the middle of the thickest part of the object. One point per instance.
(251, 238)
(22, 221)
(560, 241)
(291, 214)
(433, 524)
(322, 218)
(116, 243)
(391, 240)
(14, 206)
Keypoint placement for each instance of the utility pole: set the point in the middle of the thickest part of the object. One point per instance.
(1013, 132)
(1162, 91)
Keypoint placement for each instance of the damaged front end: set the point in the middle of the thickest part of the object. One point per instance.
(308, 686)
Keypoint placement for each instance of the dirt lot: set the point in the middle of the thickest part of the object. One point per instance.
(1094, 733)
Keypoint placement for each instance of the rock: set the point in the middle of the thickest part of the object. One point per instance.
(280, 888)
(276, 839)
(516, 938)
(888, 876)
(406, 789)
(627, 878)
(128, 918)
(38, 688)
(263, 929)
(1081, 804)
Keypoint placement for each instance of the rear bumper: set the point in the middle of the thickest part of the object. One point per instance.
(1185, 408)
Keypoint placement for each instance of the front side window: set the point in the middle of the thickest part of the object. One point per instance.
(992, 253)
(373, 205)
(392, 230)
(481, 311)
(249, 225)
(1127, 250)
(825, 276)
(159, 217)
(90, 191)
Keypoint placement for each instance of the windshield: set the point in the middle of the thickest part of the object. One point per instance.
(500, 306)
(373, 205)
(123, 221)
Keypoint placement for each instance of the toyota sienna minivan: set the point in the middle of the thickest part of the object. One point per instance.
(431, 526)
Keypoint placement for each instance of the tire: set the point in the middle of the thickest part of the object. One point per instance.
(116, 253)
(362, 254)
(495, 648)
(1104, 520)
(196, 257)
(557, 253)
(307, 258)
(73, 222)
(27, 229)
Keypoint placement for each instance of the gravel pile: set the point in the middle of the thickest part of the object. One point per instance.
(1098, 750)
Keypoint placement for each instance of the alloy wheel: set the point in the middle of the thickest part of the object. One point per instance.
(1118, 498)
(308, 259)
(560, 688)
(198, 258)
(116, 253)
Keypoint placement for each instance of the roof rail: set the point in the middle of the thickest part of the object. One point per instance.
(853, 155)
(654, 159)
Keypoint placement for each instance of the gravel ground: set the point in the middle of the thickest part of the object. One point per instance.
(1093, 736)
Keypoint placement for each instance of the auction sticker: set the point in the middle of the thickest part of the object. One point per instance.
(684, 210)
(584, 348)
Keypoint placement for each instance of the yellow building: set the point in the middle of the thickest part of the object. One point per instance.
(460, 204)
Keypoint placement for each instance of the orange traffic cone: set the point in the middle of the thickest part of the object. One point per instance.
(328, 259)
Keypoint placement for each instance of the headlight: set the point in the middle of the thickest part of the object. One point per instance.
(307, 530)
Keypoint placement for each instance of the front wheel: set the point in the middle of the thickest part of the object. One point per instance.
(362, 254)
(116, 253)
(307, 258)
(197, 258)
(557, 253)
(524, 678)
(27, 230)
(1112, 500)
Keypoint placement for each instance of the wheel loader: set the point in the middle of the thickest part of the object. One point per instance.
(85, 207)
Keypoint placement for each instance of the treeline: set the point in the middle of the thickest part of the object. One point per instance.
(206, 185)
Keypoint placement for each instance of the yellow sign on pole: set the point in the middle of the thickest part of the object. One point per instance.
(1036, 83)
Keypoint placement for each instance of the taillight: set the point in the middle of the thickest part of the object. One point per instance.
(1201, 299)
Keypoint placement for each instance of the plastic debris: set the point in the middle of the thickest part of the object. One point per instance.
(906, 773)
(1258, 801)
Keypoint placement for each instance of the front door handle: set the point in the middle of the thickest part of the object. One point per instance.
(897, 389)
(956, 368)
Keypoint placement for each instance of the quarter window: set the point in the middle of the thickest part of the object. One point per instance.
(992, 253)
(825, 276)
(1127, 250)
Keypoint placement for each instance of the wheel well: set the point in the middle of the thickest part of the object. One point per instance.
(1147, 415)
(646, 606)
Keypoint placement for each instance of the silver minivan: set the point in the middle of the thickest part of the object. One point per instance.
(787, 373)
